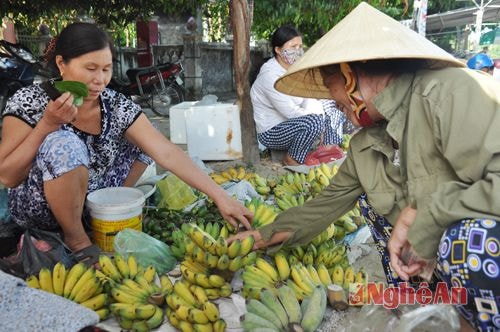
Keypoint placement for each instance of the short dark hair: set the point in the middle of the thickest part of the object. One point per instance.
(283, 34)
(77, 39)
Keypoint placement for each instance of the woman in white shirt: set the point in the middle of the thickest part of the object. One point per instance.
(284, 122)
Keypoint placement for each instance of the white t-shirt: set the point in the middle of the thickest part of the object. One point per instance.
(271, 107)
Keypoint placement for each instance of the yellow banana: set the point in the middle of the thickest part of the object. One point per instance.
(225, 291)
(202, 280)
(185, 326)
(221, 245)
(103, 313)
(96, 302)
(326, 170)
(203, 327)
(197, 316)
(33, 282)
(233, 173)
(282, 265)
(135, 288)
(89, 274)
(300, 293)
(246, 245)
(108, 267)
(166, 284)
(211, 260)
(223, 262)
(349, 277)
(122, 265)
(145, 311)
(314, 274)
(212, 293)
(72, 277)
(241, 173)
(338, 275)
(234, 264)
(300, 280)
(233, 249)
(150, 273)
(268, 268)
(124, 297)
(199, 293)
(261, 274)
(219, 325)
(182, 311)
(211, 311)
(249, 258)
(216, 281)
(128, 312)
(324, 275)
(58, 278)
(183, 291)
(45, 280)
(87, 290)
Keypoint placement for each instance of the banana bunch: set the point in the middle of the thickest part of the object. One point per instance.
(348, 223)
(327, 253)
(189, 309)
(292, 184)
(281, 311)
(197, 274)
(261, 185)
(115, 269)
(232, 174)
(263, 214)
(181, 241)
(138, 304)
(79, 284)
(263, 274)
(217, 254)
(288, 201)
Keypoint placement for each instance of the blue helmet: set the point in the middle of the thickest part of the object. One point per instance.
(480, 61)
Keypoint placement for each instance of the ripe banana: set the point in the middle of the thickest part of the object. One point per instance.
(282, 265)
(223, 262)
(122, 265)
(96, 302)
(210, 310)
(249, 258)
(156, 319)
(166, 284)
(58, 278)
(234, 264)
(268, 268)
(72, 277)
(246, 245)
(324, 275)
(314, 274)
(338, 275)
(108, 267)
(33, 282)
(233, 249)
(183, 291)
(301, 280)
(132, 266)
(45, 280)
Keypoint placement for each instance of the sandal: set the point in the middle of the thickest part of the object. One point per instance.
(89, 255)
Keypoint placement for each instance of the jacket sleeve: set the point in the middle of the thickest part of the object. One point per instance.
(466, 133)
(310, 219)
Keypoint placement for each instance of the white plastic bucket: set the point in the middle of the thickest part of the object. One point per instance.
(113, 209)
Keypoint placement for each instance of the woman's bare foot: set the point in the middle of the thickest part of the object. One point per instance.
(289, 161)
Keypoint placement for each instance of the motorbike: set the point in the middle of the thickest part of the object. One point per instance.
(155, 87)
(18, 68)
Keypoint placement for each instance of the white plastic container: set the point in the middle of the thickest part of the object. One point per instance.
(214, 132)
(113, 209)
(177, 115)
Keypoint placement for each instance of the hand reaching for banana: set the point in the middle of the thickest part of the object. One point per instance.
(260, 243)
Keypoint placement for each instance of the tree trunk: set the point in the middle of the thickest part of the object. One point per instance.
(241, 55)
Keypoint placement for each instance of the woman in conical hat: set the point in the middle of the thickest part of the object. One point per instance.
(425, 167)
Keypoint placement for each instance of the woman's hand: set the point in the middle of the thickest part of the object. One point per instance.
(60, 111)
(235, 213)
(399, 246)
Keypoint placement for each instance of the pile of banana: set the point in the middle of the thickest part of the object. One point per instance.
(281, 311)
(197, 274)
(181, 240)
(189, 309)
(262, 185)
(263, 214)
(79, 284)
(232, 174)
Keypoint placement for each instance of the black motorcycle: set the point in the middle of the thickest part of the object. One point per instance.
(18, 68)
(156, 87)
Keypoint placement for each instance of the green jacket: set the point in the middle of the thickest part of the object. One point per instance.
(446, 124)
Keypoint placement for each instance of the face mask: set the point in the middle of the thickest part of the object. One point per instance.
(355, 99)
(291, 55)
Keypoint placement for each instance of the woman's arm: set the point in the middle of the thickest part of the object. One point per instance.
(20, 142)
(169, 156)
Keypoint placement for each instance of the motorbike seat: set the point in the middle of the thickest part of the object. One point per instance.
(132, 73)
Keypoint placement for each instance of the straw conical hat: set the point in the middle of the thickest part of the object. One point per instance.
(364, 34)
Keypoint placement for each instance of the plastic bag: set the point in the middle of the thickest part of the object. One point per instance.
(175, 193)
(147, 250)
(436, 317)
(37, 249)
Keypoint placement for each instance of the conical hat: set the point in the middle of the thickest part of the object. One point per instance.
(364, 34)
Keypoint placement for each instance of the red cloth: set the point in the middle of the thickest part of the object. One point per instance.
(324, 154)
